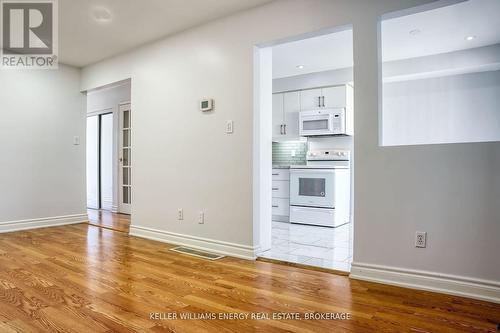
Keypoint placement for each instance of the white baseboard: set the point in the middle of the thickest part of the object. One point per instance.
(486, 290)
(44, 222)
(210, 245)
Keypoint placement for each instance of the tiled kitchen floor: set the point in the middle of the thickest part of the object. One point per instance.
(311, 245)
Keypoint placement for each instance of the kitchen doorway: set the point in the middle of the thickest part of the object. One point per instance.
(109, 155)
(303, 155)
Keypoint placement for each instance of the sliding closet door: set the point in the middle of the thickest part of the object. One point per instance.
(106, 161)
(93, 162)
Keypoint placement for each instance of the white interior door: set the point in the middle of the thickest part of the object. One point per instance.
(106, 160)
(93, 162)
(125, 192)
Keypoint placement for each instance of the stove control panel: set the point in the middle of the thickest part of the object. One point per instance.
(328, 155)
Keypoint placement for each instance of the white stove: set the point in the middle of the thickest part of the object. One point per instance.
(320, 191)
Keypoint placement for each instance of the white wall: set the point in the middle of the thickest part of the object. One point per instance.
(105, 99)
(42, 173)
(457, 108)
(184, 159)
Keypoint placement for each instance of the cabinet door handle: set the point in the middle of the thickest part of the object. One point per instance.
(323, 104)
(276, 174)
(284, 129)
(275, 206)
(276, 188)
(319, 101)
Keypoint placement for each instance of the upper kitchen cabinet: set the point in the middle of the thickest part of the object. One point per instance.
(334, 97)
(286, 107)
(278, 114)
(328, 97)
(310, 99)
(291, 116)
(292, 101)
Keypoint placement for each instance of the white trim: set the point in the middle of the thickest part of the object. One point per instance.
(44, 222)
(200, 243)
(487, 290)
(443, 73)
(262, 147)
(94, 113)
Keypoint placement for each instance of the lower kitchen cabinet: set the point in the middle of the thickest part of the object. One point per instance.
(281, 195)
(281, 209)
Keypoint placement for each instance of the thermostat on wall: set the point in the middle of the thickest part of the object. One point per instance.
(206, 104)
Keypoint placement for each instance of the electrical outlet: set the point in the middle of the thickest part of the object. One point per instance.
(180, 214)
(201, 218)
(420, 239)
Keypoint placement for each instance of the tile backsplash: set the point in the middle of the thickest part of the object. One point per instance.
(282, 153)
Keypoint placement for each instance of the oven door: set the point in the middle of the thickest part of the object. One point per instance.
(315, 123)
(312, 187)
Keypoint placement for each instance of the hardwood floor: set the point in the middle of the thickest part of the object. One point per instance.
(82, 278)
(109, 220)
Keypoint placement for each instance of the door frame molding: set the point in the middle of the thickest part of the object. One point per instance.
(119, 156)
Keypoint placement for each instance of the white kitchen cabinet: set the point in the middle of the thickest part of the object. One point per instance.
(278, 115)
(286, 107)
(291, 114)
(310, 99)
(291, 101)
(327, 97)
(281, 195)
(281, 174)
(281, 189)
(281, 209)
(334, 97)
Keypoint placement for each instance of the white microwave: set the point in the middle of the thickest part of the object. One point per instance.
(324, 122)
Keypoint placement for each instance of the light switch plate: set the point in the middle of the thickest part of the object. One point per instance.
(76, 140)
(229, 127)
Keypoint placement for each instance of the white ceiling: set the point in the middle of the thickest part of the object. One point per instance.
(83, 40)
(441, 30)
(316, 54)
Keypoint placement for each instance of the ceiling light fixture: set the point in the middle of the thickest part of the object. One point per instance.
(101, 15)
(415, 32)
(300, 66)
(470, 38)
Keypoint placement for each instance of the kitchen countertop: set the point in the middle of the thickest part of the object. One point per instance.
(281, 166)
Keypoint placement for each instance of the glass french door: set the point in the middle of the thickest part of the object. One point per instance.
(125, 192)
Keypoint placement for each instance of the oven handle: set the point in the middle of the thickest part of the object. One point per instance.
(308, 209)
